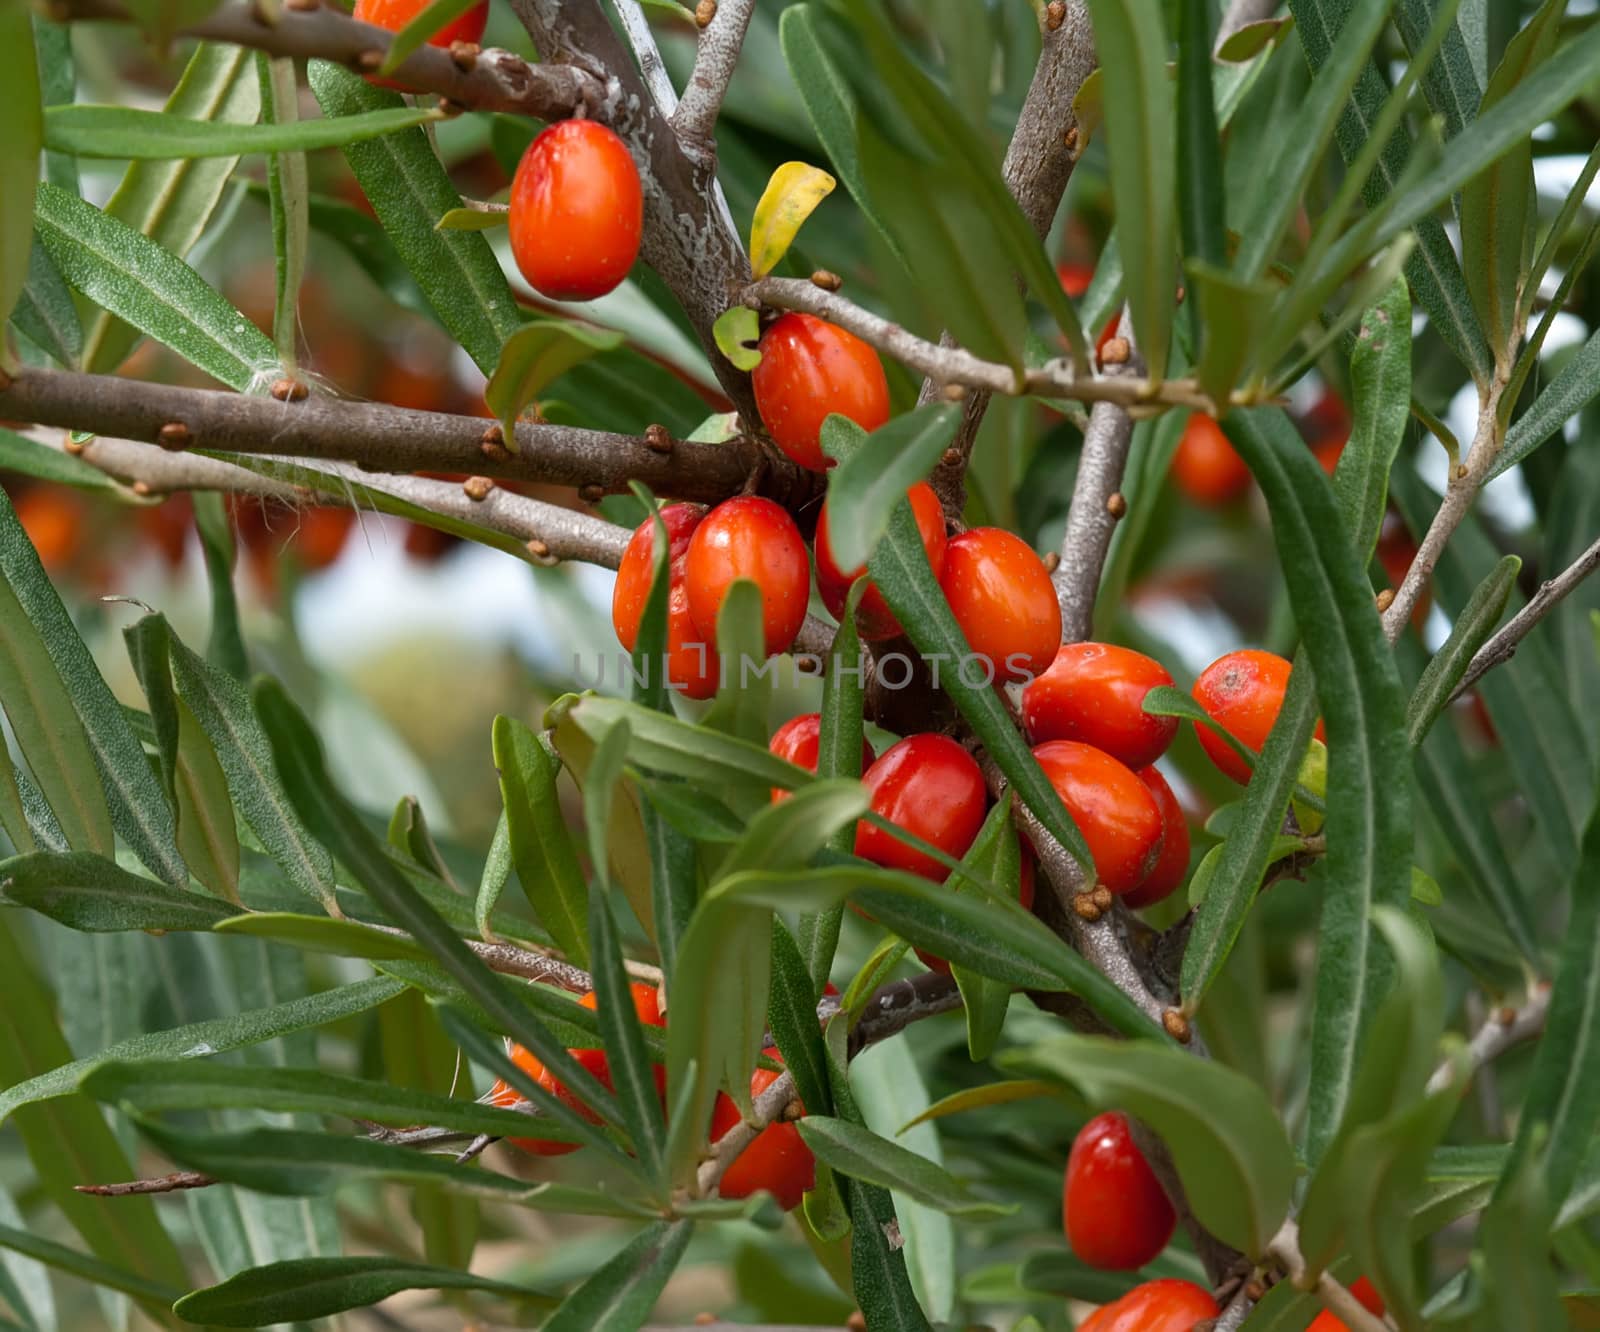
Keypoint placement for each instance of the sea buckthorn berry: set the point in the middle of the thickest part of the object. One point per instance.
(873, 617)
(1168, 1305)
(1243, 693)
(1174, 863)
(577, 211)
(777, 1160)
(1074, 278)
(799, 740)
(1094, 692)
(638, 567)
(930, 786)
(647, 1004)
(1114, 810)
(507, 1097)
(1116, 1214)
(1004, 601)
(1025, 882)
(395, 14)
(809, 369)
(749, 537)
(1371, 1301)
(1206, 467)
(321, 535)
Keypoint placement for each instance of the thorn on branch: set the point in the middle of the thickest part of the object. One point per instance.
(1177, 1026)
(827, 280)
(1385, 599)
(658, 439)
(292, 390)
(540, 551)
(477, 488)
(465, 54)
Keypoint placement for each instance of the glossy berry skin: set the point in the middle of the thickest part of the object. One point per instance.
(508, 1097)
(1168, 1305)
(1174, 863)
(1074, 278)
(1005, 603)
(799, 739)
(1206, 467)
(692, 664)
(395, 14)
(1094, 692)
(577, 211)
(778, 1160)
(873, 617)
(1371, 1301)
(749, 537)
(1116, 1215)
(930, 786)
(810, 369)
(1113, 809)
(1243, 693)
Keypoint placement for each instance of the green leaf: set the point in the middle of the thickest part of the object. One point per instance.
(1470, 631)
(1142, 145)
(288, 200)
(86, 1268)
(139, 813)
(876, 472)
(1234, 317)
(19, 159)
(736, 332)
(1497, 204)
(982, 1097)
(202, 1084)
(1380, 380)
(1226, 1140)
(410, 190)
(323, 934)
(410, 835)
(428, 20)
(129, 133)
(745, 690)
(539, 352)
(151, 288)
(225, 648)
(46, 314)
(172, 202)
(1562, 1109)
(792, 1016)
(1520, 1279)
(306, 1288)
(997, 857)
(497, 866)
(1450, 83)
(1201, 207)
(620, 1294)
(222, 707)
(20, 454)
(84, 891)
(1573, 388)
(862, 1154)
(541, 846)
(480, 218)
(786, 834)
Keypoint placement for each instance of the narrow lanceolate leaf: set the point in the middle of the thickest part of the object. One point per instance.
(619, 1295)
(19, 157)
(876, 473)
(1562, 1109)
(88, 892)
(128, 133)
(173, 202)
(45, 311)
(222, 707)
(535, 355)
(996, 856)
(862, 1154)
(409, 189)
(289, 199)
(1369, 768)
(86, 1268)
(541, 846)
(1201, 207)
(28, 457)
(1471, 629)
(208, 1038)
(1141, 137)
(1226, 1140)
(497, 866)
(225, 647)
(1497, 214)
(428, 20)
(1519, 1276)
(1380, 376)
(1573, 389)
(791, 196)
(1451, 84)
(300, 1289)
(792, 1016)
(151, 288)
(139, 812)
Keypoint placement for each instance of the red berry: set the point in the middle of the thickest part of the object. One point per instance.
(1174, 863)
(1370, 1301)
(508, 1097)
(577, 211)
(321, 535)
(1116, 1214)
(1243, 693)
(395, 14)
(1094, 692)
(778, 1160)
(1005, 603)
(1396, 550)
(1168, 1305)
(930, 786)
(799, 739)
(1206, 467)
(692, 664)
(1075, 278)
(809, 369)
(1113, 809)
(873, 617)
(1329, 450)
(749, 537)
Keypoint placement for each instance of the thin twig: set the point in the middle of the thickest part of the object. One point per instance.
(1284, 1247)
(715, 57)
(766, 1109)
(1505, 1028)
(1503, 645)
(179, 1179)
(652, 68)
(493, 80)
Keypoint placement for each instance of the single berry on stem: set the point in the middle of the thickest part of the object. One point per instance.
(1116, 1214)
(776, 1160)
(1114, 810)
(1094, 692)
(1243, 693)
(799, 739)
(1001, 595)
(1173, 866)
(809, 369)
(1167, 1305)
(1206, 466)
(930, 786)
(749, 537)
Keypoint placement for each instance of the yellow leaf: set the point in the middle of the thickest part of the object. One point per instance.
(793, 192)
